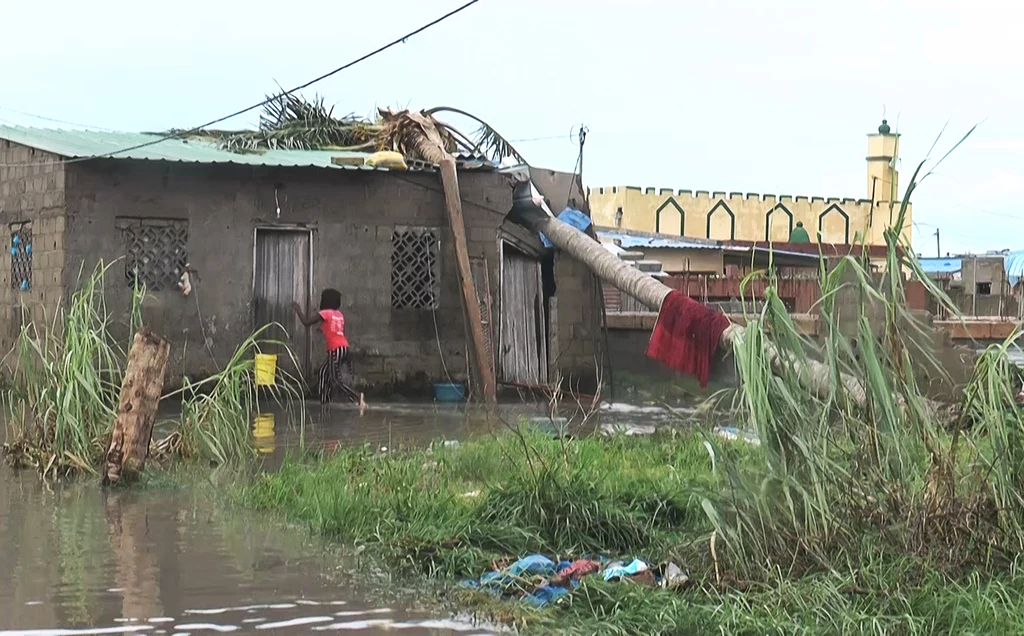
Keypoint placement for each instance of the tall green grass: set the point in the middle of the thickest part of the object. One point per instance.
(65, 381)
(452, 511)
(843, 478)
(216, 412)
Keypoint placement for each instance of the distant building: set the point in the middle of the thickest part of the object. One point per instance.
(680, 255)
(979, 284)
(765, 217)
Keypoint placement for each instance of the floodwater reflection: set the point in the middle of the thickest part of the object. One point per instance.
(80, 560)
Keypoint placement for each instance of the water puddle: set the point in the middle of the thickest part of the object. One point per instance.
(79, 561)
(396, 425)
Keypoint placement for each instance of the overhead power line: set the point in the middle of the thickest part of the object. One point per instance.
(56, 121)
(266, 101)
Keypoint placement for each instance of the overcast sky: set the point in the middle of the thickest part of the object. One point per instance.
(752, 96)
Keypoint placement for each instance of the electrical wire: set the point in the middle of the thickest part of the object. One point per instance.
(266, 101)
(57, 121)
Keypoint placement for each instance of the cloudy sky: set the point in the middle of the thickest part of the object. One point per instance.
(738, 95)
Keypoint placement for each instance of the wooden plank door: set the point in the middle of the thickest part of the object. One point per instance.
(523, 335)
(281, 276)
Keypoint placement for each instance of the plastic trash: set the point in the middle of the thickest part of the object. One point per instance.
(674, 576)
(732, 433)
(545, 595)
(617, 570)
(533, 565)
(572, 572)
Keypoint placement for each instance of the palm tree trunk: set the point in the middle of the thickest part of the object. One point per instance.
(649, 291)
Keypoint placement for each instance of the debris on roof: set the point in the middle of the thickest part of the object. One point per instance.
(293, 132)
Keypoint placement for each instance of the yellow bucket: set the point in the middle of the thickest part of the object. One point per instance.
(266, 369)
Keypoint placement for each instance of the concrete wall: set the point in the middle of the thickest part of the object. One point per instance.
(579, 298)
(352, 215)
(31, 189)
(744, 217)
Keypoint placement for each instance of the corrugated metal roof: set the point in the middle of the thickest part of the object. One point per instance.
(628, 240)
(941, 265)
(77, 144)
(80, 144)
(659, 241)
(1014, 264)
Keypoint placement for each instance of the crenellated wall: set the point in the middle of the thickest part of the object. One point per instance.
(745, 217)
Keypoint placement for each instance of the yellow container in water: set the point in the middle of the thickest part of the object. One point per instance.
(263, 433)
(263, 425)
(266, 369)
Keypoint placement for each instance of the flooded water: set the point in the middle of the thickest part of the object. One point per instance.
(79, 560)
(75, 559)
(392, 426)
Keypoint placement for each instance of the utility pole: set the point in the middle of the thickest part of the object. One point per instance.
(938, 250)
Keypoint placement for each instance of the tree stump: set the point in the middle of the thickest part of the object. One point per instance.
(140, 395)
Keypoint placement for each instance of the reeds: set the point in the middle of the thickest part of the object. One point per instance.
(215, 413)
(65, 381)
(838, 482)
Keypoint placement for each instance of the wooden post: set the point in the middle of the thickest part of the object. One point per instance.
(140, 394)
(453, 203)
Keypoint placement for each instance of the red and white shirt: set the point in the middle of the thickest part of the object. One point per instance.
(333, 326)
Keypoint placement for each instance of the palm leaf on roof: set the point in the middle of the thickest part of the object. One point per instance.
(291, 122)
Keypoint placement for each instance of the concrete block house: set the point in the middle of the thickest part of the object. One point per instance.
(258, 231)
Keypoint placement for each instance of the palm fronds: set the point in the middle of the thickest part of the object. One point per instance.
(488, 140)
(291, 122)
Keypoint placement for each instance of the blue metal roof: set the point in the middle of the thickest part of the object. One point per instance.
(1014, 264)
(628, 240)
(941, 265)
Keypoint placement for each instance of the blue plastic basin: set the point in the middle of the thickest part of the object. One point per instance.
(450, 392)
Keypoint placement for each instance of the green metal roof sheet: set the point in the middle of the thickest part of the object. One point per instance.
(80, 144)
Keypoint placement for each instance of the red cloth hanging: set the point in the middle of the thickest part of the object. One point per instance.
(686, 336)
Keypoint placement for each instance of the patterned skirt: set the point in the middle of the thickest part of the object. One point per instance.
(332, 375)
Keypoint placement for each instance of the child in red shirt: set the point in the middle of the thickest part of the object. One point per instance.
(339, 360)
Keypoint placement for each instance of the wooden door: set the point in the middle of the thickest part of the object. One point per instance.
(281, 276)
(523, 335)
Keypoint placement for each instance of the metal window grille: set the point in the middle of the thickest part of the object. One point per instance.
(155, 251)
(415, 268)
(21, 256)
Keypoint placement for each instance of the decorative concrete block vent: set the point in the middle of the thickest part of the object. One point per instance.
(21, 256)
(415, 268)
(155, 251)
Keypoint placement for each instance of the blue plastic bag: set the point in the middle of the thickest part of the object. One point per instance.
(574, 218)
